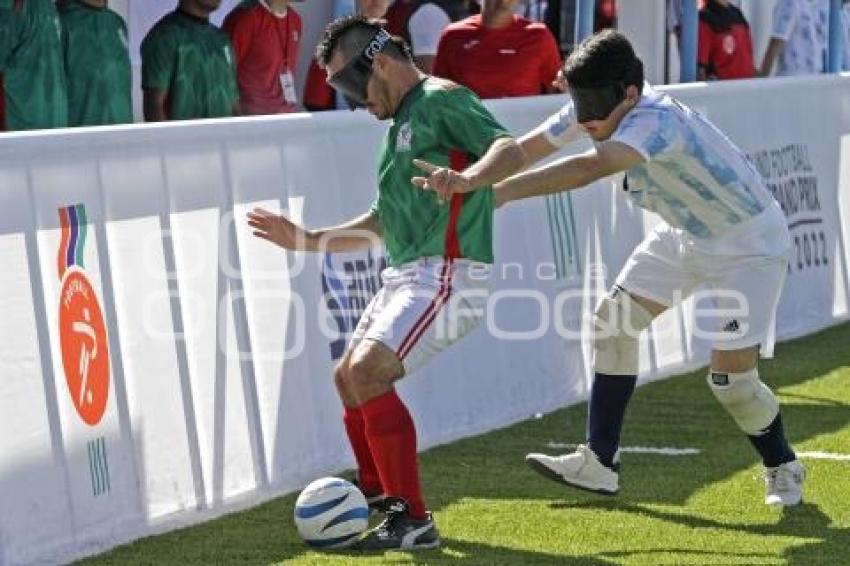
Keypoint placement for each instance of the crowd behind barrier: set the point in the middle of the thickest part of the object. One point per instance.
(79, 73)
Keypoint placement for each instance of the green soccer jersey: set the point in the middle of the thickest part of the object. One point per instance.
(444, 124)
(97, 65)
(33, 79)
(191, 60)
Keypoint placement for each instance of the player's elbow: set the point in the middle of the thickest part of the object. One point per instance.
(513, 156)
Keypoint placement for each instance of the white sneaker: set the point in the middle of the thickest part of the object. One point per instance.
(785, 483)
(580, 469)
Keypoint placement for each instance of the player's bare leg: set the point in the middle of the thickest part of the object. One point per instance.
(735, 382)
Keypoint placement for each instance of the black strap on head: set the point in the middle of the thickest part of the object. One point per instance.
(596, 103)
(353, 79)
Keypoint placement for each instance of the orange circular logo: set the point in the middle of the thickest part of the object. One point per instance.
(85, 350)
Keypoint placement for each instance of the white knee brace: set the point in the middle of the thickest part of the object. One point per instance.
(744, 396)
(617, 323)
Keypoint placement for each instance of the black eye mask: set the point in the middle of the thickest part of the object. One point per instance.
(353, 79)
(596, 103)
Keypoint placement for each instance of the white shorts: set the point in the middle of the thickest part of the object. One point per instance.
(738, 292)
(424, 307)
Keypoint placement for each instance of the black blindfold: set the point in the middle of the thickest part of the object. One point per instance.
(353, 79)
(596, 103)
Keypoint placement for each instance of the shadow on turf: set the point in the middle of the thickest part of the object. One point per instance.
(465, 552)
(804, 521)
(680, 413)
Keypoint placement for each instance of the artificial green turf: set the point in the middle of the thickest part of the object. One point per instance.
(702, 509)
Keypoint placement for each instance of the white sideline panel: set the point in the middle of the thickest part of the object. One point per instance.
(32, 478)
(196, 182)
(103, 500)
(192, 429)
(135, 205)
(842, 249)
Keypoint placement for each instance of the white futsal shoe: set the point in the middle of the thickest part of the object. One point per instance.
(785, 484)
(581, 469)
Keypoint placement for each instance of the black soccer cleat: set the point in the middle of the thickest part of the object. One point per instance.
(399, 531)
(376, 501)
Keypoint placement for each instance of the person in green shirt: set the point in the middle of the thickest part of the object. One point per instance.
(97, 64)
(188, 66)
(31, 72)
(433, 291)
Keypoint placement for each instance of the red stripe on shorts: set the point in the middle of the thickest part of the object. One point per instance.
(430, 313)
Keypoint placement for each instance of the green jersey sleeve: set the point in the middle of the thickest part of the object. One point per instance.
(159, 58)
(466, 123)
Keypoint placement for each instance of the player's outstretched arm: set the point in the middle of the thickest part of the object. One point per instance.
(774, 48)
(503, 158)
(569, 173)
(358, 233)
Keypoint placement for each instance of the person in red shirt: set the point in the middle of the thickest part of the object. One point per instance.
(498, 54)
(725, 46)
(266, 36)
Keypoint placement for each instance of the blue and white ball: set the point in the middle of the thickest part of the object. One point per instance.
(331, 513)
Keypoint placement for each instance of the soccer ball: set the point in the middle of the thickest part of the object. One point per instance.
(331, 513)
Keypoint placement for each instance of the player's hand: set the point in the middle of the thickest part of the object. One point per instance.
(560, 82)
(277, 229)
(442, 180)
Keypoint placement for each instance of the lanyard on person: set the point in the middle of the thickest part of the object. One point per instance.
(287, 81)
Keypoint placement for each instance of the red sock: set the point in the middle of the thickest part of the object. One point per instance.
(392, 437)
(367, 473)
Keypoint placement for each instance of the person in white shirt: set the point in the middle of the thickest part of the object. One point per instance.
(722, 230)
(426, 24)
(798, 39)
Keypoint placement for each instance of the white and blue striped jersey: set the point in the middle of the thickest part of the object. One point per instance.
(694, 177)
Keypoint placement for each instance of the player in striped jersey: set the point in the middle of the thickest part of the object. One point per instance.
(721, 228)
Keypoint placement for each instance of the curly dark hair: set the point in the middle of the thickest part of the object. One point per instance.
(604, 59)
(351, 34)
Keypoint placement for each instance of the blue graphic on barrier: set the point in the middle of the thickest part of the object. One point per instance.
(349, 283)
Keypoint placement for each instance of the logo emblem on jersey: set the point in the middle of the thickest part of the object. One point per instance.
(404, 139)
(82, 331)
(470, 44)
(729, 44)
